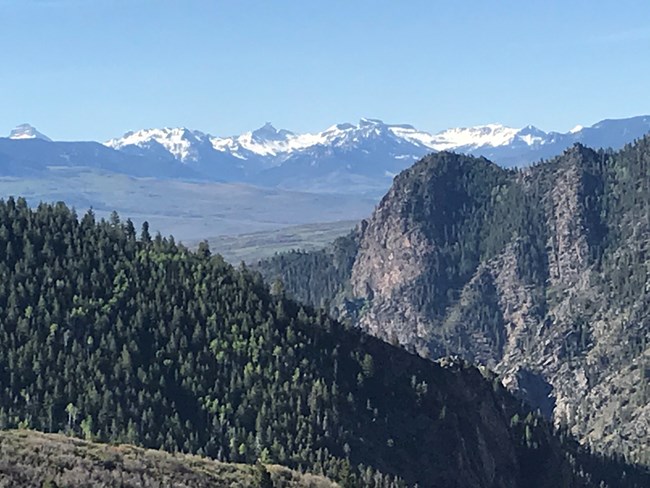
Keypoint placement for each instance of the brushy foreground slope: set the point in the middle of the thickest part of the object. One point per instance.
(31, 459)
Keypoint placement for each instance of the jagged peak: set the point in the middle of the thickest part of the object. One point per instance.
(340, 127)
(165, 132)
(269, 133)
(365, 122)
(27, 131)
(531, 129)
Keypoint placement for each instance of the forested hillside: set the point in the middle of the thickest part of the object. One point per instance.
(540, 274)
(319, 278)
(115, 337)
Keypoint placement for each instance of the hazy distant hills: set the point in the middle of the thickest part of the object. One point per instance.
(34, 156)
(345, 158)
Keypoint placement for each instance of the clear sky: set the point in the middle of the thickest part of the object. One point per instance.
(93, 69)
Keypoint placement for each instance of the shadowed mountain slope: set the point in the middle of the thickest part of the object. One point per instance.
(540, 274)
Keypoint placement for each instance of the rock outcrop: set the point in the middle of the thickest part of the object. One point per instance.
(559, 336)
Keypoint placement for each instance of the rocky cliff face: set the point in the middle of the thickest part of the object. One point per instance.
(540, 275)
(387, 265)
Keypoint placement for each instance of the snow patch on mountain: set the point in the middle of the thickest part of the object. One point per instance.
(26, 131)
(266, 141)
(491, 135)
(179, 142)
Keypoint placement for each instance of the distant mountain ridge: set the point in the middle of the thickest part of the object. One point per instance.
(374, 149)
(26, 131)
(344, 158)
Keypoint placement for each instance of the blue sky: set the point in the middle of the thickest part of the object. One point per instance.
(93, 69)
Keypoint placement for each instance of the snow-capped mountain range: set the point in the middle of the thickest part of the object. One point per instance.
(342, 158)
(276, 146)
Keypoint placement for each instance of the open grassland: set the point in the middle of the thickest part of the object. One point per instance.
(189, 210)
(254, 246)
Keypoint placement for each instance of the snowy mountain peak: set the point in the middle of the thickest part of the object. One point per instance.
(26, 131)
(269, 133)
(366, 122)
(266, 142)
(531, 129)
(530, 136)
(179, 142)
(339, 127)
